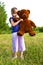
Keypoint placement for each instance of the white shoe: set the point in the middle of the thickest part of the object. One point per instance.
(14, 57)
(22, 57)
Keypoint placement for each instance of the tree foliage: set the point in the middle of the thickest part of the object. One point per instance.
(3, 15)
(4, 28)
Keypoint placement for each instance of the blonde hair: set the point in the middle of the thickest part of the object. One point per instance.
(13, 10)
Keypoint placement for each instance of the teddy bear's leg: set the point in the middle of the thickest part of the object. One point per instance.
(31, 32)
(20, 33)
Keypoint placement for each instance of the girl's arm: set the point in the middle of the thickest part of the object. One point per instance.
(15, 23)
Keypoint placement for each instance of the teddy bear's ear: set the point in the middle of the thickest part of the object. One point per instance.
(28, 11)
(18, 12)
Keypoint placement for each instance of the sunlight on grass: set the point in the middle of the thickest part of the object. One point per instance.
(33, 54)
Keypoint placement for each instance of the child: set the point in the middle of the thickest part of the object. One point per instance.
(17, 41)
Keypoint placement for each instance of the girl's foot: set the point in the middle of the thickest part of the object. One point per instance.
(22, 57)
(14, 57)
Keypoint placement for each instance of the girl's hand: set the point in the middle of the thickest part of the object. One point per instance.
(21, 20)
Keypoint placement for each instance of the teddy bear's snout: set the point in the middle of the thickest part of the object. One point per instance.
(24, 15)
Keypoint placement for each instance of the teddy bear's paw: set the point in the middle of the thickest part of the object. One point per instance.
(19, 34)
(32, 34)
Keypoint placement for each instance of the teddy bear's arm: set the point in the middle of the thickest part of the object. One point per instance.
(33, 24)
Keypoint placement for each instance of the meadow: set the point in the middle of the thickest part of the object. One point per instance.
(32, 56)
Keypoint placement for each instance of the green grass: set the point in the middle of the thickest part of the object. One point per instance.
(33, 54)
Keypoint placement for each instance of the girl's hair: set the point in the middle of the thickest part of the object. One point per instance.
(13, 9)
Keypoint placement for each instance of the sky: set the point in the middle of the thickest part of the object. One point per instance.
(35, 7)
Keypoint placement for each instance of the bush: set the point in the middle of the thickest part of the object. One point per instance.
(5, 31)
(40, 29)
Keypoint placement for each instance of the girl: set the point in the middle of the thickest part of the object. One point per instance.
(17, 41)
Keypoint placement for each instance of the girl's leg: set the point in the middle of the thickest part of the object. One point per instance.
(21, 45)
(14, 44)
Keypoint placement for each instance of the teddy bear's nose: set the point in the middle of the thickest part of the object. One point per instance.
(24, 15)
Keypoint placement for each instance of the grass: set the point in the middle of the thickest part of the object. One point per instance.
(33, 54)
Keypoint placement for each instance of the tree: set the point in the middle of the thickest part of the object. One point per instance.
(4, 28)
(3, 15)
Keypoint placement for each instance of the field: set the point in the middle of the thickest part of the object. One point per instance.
(33, 54)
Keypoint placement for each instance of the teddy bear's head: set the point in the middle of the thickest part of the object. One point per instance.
(24, 14)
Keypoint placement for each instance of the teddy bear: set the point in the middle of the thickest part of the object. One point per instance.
(26, 26)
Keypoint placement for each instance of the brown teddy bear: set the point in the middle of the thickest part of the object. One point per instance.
(26, 26)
